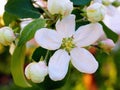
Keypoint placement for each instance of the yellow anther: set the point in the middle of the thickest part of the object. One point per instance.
(67, 44)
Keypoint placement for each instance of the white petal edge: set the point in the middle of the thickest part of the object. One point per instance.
(88, 34)
(48, 39)
(58, 65)
(112, 19)
(83, 60)
(66, 27)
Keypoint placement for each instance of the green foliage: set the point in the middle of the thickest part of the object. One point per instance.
(8, 18)
(29, 31)
(79, 18)
(38, 53)
(109, 33)
(22, 9)
(116, 3)
(81, 2)
(42, 53)
(17, 65)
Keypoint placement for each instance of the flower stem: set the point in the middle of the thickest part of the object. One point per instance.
(46, 56)
(47, 13)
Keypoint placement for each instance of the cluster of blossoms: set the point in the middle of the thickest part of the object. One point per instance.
(69, 44)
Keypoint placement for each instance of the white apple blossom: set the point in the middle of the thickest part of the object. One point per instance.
(36, 72)
(69, 45)
(63, 7)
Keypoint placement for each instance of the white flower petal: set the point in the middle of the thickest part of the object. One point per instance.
(112, 19)
(48, 39)
(58, 65)
(88, 34)
(83, 61)
(66, 27)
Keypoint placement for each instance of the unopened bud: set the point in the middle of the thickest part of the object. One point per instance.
(95, 12)
(63, 7)
(107, 45)
(6, 36)
(36, 72)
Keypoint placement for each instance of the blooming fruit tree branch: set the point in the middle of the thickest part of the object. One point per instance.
(61, 31)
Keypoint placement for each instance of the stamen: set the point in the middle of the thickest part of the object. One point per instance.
(67, 44)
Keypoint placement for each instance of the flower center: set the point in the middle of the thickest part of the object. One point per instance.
(67, 44)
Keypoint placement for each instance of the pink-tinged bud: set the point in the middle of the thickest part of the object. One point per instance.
(63, 7)
(6, 36)
(41, 3)
(36, 72)
(107, 45)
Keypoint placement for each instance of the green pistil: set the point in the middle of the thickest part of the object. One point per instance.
(67, 44)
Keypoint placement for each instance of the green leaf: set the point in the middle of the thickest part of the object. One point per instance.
(79, 18)
(81, 23)
(41, 52)
(17, 67)
(109, 33)
(8, 18)
(81, 2)
(22, 9)
(77, 12)
(38, 53)
(29, 31)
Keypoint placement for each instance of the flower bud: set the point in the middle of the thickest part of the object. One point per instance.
(95, 12)
(41, 3)
(6, 36)
(107, 45)
(36, 71)
(63, 7)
